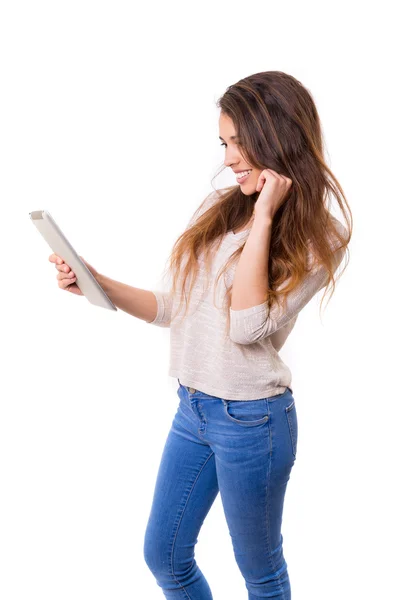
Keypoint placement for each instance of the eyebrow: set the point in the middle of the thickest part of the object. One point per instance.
(233, 137)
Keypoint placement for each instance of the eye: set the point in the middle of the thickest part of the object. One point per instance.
(223, 144)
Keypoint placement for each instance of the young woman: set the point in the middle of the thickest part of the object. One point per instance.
(251, 258)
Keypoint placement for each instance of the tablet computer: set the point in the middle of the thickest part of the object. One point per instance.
(57, 241)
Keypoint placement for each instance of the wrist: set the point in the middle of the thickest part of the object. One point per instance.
(265, 219)
(100, 279)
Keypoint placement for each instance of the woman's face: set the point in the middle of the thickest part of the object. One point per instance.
(233, 157)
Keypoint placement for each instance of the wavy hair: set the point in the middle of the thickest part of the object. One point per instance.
(279, 128)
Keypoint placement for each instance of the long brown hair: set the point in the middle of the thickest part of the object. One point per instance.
(276, 120)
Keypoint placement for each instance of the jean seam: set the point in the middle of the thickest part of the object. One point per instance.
(191, 432)
(268, 512)
(198, 441)
(287, 410)
(177, 529)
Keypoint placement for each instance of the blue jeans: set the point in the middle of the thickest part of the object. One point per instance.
(244, 449)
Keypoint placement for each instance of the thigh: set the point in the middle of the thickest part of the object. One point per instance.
(253, 467)
(186, 487)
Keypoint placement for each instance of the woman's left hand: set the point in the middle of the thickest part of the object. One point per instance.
(274, 190)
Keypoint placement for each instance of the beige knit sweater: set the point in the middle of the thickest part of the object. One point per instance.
(245, 365)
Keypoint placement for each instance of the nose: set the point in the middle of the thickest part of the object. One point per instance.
(230, 162)
(232, 157)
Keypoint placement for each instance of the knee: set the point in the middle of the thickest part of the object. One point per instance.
(166, 563)
(154, 555)
(265, 575)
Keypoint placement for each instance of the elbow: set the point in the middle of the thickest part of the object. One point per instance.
(159, 323)
(238, 339)
(163, 310)
(249, 325)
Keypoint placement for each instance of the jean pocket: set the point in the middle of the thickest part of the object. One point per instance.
(291, 416)
(248, 413)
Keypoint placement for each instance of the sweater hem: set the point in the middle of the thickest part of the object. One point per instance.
(218, 393)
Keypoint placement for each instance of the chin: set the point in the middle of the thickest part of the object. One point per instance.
(248, 189)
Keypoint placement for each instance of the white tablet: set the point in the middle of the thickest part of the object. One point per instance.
(57, 241)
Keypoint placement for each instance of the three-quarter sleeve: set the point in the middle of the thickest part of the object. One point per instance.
(252, 324)
(164, 309)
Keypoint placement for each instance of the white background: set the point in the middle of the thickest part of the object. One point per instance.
(108, 120)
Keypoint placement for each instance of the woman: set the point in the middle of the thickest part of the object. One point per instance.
(276, 243)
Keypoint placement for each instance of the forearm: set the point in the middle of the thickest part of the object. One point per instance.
(251, 276)
(134, 301)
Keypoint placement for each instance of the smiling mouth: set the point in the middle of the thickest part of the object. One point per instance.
(244, 177)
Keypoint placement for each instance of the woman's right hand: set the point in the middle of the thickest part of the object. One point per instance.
(66, 277)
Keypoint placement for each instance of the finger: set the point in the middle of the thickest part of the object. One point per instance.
(55, 259)
(283, 182)
(64, 268)
(261, 177)
(66, 283)
(68, 276)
